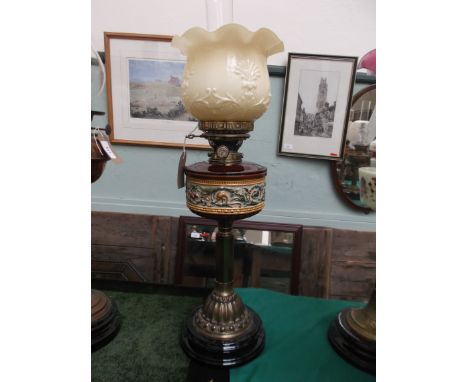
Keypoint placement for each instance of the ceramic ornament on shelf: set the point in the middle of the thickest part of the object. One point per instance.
(367, 177)
(359, 131)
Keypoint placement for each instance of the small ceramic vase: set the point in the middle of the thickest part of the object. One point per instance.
(367, 176)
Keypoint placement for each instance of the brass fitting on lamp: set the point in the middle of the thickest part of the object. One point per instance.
(362, 320)
(352, 335)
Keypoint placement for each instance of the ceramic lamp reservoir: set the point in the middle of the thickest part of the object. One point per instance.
(238, 193)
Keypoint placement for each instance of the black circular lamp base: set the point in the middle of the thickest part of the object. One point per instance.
(354, 349)
(224, 353)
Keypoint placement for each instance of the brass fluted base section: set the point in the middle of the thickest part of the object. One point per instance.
(352, 335)
(227, 344)
(223, 331)
(223, 315)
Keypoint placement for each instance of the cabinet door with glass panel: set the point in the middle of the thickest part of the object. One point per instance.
(266, 255)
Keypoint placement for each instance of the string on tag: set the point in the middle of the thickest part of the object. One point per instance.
(104, 137)
(182, 159)
(189, 136)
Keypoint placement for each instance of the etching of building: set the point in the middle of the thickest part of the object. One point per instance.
(322, 94)
(299, 118)
(299, 108)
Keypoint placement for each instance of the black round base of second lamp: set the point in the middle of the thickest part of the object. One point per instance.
(353, 348)
(105, 320)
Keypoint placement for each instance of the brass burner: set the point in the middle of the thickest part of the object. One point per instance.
(225, 126)
(225, 137)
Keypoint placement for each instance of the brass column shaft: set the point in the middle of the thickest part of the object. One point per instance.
(224, 253)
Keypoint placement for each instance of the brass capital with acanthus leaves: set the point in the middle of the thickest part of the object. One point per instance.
(223, 315)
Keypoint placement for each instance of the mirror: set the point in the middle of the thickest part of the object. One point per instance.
(360, 148)
(266, 255)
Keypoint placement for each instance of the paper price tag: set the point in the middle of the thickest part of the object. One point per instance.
(107, 149)
(180, 170)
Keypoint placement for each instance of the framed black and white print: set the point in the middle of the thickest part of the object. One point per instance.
(317, 99)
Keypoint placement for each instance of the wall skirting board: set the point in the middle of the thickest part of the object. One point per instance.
(152, 207)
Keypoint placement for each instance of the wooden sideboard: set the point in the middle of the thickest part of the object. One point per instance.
(334, 263)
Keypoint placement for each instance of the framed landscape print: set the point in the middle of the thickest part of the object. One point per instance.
(318, 91)
(144, 77)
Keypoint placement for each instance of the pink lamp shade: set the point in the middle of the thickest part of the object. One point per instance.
(368, 61)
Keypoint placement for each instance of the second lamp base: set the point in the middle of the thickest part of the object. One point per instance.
(105, 320)
(350, 346)
(227, 352)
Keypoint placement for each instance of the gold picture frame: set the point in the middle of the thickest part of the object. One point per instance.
(143, 79)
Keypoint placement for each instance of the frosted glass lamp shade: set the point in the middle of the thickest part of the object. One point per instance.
(358, 133)
(226, 75)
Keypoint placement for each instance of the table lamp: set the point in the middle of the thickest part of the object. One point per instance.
(361, 131)
(352, 334)
(105, 317)
(226, 87)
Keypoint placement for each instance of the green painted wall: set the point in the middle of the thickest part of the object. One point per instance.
(298, 190)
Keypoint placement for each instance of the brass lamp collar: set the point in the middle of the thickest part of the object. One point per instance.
(225, 137)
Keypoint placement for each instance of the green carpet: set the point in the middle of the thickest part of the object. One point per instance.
(147, 346)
